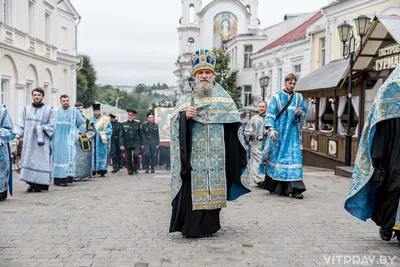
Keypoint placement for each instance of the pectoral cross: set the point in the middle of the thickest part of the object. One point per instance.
(192, 86)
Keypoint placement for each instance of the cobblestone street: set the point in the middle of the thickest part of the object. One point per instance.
(123, 220)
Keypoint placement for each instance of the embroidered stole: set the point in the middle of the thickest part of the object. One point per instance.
(208, 162)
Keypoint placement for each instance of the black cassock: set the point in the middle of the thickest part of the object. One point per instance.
(386, 178)
(200, 223)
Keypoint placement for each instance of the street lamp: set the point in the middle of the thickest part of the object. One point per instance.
(346, 35)
(116, 100)
(264, 81)
(107, 103)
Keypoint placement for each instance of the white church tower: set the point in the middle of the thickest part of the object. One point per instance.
(189, 30)
(210, 27)
(252, 8)
(189, 38)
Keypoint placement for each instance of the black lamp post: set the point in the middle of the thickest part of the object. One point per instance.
(264, 81)
(346, 35)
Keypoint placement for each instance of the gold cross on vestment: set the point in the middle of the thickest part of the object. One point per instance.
(198, 150)
(216, 149)
(218, 180)
(199, 179)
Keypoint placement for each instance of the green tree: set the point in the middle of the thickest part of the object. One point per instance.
(164, 86)
(107, 86)
(226, 77)
(141, 88)
(86, 82)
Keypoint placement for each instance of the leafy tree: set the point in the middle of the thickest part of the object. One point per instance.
(226, 77)
(164, 86)
(86, 82)
(107, 86)
(130, 100)
(141, 88)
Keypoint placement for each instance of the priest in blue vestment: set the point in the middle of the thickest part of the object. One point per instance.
(69, 124)
(36, 127)
(208, 154)
(282, 153)
(375, 184)
(102, 139)
(6, 128)
(84, 149)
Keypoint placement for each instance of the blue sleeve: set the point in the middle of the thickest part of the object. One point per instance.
(272, 112)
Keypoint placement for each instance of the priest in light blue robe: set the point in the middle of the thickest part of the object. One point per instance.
(69, 123)
(36, 127)
(6, 128)
(83, 158)
(104, 131)
(282, 153)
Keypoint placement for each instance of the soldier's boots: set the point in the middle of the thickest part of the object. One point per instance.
(115, 167)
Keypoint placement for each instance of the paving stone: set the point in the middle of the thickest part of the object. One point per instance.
(123, 220)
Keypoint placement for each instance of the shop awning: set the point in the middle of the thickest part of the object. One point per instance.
(384, 30)
(326, 77)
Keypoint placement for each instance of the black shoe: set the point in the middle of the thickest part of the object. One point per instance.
(386, 235)
(297, 195)
(114, 171)
(147, 171)
(153, 171)
(29, 189)
(131, 173)
(136, 172)
(102, 175)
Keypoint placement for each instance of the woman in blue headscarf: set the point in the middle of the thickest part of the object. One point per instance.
(375, 184)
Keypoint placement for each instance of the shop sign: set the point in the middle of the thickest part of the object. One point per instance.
(389, 57)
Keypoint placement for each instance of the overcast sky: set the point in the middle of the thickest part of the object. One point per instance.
(135, 41)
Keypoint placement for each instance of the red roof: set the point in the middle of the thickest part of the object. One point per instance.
(293, 35)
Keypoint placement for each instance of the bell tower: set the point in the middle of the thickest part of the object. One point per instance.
(190, 8)
(252, 8)
(189, 38)
(189, 28)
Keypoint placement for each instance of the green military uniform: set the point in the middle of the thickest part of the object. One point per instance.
(130, 137)
(115, 146)
(151, 141)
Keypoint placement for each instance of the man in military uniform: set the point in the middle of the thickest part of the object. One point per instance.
(115, 148)
(130, 140)
(151, 141)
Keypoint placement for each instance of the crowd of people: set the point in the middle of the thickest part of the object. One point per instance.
(210, 160)
(63, 146)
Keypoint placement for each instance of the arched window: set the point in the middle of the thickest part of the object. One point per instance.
(191, 40)
(191, 13)
(248, 8)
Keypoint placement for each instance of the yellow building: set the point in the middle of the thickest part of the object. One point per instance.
(335, 118)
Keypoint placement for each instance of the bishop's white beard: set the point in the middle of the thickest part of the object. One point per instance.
(204, 88)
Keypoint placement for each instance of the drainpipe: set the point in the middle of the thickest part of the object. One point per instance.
(327, 39)
(76, 44)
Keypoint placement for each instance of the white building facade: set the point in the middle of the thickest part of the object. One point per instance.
(210, 27)
(291, 53)
(242, 48)
(38, 48)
